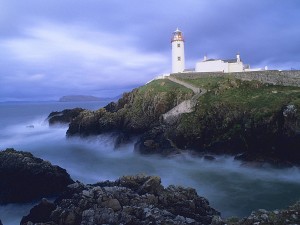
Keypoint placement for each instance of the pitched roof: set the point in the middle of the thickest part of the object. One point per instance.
(224, 60)
(230, 60)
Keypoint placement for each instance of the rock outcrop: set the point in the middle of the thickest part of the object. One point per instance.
(129, 200)
(134, 113)
(25, 178)
(65, 116)
(291, 216)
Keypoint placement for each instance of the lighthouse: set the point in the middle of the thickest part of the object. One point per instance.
(178, 61)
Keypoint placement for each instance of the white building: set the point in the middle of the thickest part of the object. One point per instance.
(178, 60)
(220, 65)
(206, 65)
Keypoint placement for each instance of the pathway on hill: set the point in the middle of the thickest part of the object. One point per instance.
(196, 90)
(186, 106)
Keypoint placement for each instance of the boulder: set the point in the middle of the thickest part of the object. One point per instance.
(24, 178)
(40, 212)
(133, 200)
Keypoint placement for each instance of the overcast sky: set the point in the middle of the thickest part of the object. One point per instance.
(104, 47)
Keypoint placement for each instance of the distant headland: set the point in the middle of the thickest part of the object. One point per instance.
(81, 98)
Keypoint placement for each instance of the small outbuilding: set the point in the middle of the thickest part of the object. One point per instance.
(221, 65)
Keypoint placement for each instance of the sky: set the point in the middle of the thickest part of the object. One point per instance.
(105, 47)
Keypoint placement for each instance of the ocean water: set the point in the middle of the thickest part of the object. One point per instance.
(232, 189)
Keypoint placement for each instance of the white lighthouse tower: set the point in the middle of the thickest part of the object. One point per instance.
(178, 61)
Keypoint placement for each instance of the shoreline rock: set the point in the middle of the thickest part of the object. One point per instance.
(291, 215)
(24, 178)
(133, 200)
(63, 117)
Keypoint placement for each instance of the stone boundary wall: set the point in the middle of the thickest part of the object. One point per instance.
(276, 77)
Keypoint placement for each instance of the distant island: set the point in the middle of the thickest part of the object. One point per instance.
(81, 98)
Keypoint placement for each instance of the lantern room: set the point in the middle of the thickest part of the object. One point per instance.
(177, 36)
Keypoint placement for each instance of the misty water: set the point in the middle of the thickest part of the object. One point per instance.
(232, 189)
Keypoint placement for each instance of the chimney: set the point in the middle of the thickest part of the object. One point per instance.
(238, 58)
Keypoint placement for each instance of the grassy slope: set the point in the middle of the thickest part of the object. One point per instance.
(164, 85)
(249, 95)
(246, 111)
(135, 112)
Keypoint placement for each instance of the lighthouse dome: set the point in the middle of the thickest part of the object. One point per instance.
(177, 36)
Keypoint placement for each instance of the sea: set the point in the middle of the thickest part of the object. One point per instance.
(230, 187)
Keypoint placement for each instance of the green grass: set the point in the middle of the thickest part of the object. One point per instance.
(250, 95)
(164, 85)
(206, 82)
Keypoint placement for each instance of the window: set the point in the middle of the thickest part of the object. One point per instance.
(179, 58)
(178, 45)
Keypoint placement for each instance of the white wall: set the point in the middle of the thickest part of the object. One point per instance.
(235, 67)
(212, 66)
(178, 66)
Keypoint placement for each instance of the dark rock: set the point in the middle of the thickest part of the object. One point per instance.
(1, 223)
(65, 116)
(155, 141)
(133, 200)
(24, 178)
(122, 139)
(39, 213)
(111, 107)
(275, 217)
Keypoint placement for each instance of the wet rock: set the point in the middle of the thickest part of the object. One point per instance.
(121, 139)
(65, 116)
(133, 200)
(276, 217)
(155, 141)
(40, 212)
(151, 186)
(24, 178)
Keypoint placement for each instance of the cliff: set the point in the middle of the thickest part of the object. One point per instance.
(234, 116)
(136, 112)
(254, 120)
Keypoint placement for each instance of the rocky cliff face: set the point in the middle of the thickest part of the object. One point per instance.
(246, 117)
(255, 121)
(135, 112)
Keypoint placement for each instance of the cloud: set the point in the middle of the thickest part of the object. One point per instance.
(79, 57)
(54, 48)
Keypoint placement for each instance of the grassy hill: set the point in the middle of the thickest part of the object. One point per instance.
(233, 116)
(135, 112)
(247, 94)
